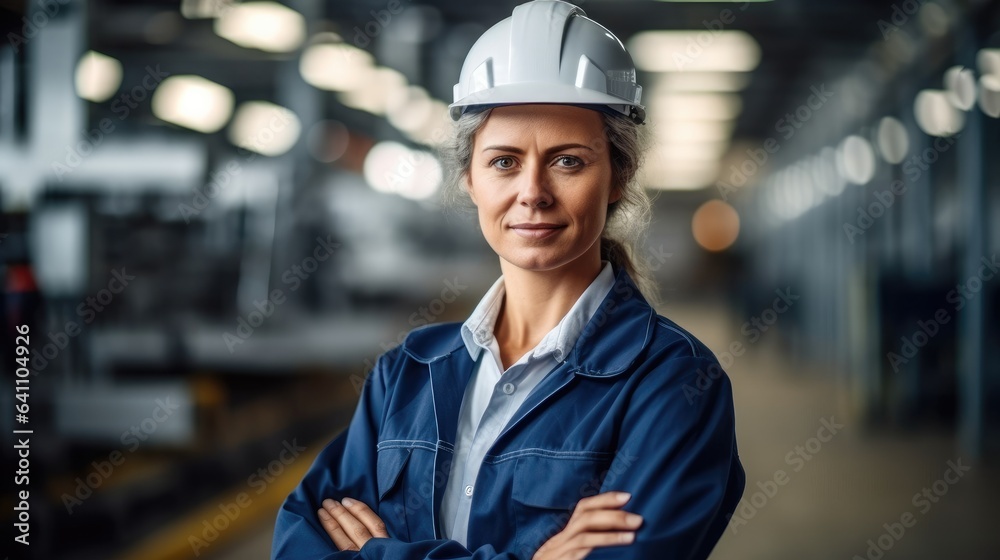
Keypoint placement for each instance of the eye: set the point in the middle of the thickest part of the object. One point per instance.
(569, 161)
(503, 163)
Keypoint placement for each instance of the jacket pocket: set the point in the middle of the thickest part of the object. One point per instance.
(390, 466)
(546, 490)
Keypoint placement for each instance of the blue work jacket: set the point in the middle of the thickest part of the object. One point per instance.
(639, 405)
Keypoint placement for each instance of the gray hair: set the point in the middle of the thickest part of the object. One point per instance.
(627, 218)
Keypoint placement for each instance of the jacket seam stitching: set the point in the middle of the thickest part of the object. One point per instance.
(694, 351)
(414, 443)
(609, 373)
(540, 452)
(405, 444)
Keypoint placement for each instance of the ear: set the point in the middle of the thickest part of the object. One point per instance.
(616, 194)
(467, 183)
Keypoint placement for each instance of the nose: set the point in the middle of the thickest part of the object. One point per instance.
(533, 190)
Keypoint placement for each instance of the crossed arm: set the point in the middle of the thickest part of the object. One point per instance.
(597, 521)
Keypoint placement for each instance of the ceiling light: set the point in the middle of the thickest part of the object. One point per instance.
(391, 167)
(936, 115)
(691, 151)
(893, 140)
(856, 160)
(695, 107)
(410, 109)
(265, 128)
(988, 61)
(267, 26)
(989, 94)
(694, 51)
(715, 225)
(98, 76)
(193, 102)
(381, 163)
(372, 93)
(426, 179)
(437, 129)
(679, 176)
(336, 66)
(694, 131)
(960, 84)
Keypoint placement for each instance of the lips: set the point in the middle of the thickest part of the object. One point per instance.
(536, 230)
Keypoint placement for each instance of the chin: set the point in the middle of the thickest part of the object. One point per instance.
(539, 260)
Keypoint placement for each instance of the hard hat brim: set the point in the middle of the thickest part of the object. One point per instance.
(529, 93)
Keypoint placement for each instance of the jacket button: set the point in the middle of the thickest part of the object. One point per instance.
(468, 490)
(509, 388)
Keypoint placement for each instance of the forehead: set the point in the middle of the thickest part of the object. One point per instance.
(542, 124)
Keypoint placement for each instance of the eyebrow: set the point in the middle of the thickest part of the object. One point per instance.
(516, 150)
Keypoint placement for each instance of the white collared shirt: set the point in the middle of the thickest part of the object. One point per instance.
(494, 395)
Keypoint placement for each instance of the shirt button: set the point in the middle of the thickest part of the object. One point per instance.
(558, 355)
(509, 388)
(468, 490)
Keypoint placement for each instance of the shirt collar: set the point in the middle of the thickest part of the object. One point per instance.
(477, 331)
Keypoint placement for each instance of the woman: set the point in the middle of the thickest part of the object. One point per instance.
(564, 417)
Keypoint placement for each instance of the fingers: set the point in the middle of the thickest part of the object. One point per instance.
(356, 532)
(584, 543)
(597, 521)
(336, 532)
(601, 501)
(367, 517)
(590, 541)
(602, 513)
(608, 520)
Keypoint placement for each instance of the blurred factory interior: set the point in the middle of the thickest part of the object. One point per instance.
(216, 215)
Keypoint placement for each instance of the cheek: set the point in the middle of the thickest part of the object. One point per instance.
(590, 206)
(490, 211)
(489, 198)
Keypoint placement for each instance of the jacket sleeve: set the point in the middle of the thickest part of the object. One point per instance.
(346, 467)
(677, 456)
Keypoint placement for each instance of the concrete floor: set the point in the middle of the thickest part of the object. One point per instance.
(839, 499)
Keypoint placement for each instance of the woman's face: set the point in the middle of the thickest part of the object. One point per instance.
(541, 179)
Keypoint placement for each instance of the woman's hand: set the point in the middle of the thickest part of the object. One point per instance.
(350, 523)
(596, 521)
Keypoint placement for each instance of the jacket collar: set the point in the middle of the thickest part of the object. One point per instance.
(624, 318)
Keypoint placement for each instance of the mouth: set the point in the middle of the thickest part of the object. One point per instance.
(536, 230)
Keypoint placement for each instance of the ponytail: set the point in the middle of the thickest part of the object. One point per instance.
(621, 258)
(628, 217)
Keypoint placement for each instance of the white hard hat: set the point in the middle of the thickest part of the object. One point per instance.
(549, 51)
